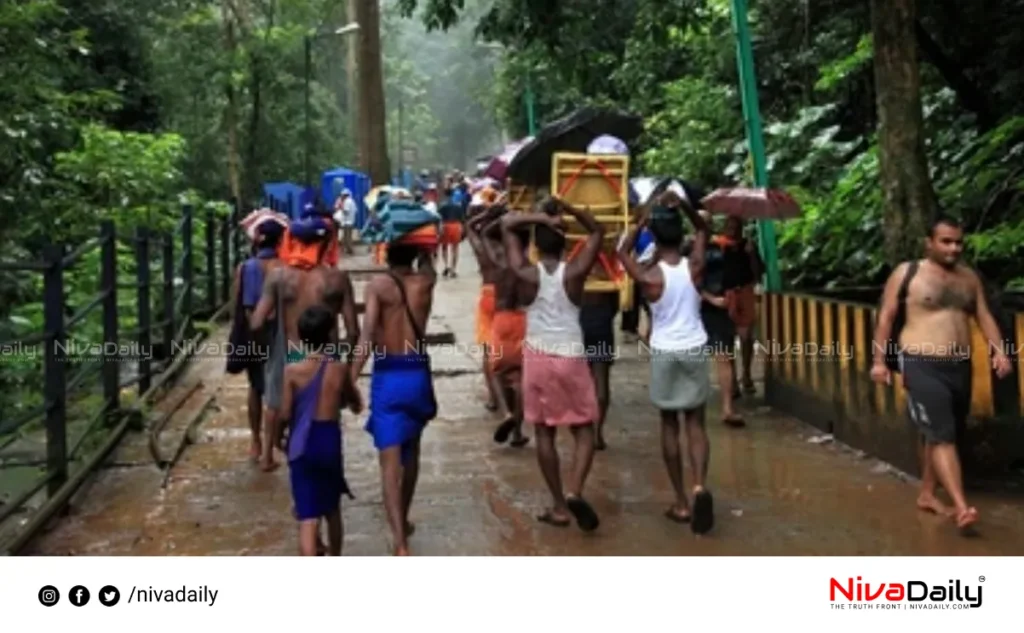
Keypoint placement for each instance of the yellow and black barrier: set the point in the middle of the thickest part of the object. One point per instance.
(817, 356)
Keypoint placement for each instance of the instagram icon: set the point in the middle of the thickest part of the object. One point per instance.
(49, 596)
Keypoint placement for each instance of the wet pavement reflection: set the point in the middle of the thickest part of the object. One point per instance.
(779, 489)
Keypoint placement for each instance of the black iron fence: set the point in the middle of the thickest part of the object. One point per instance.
(86, 375)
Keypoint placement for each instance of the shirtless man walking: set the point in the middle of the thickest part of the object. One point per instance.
(508, 328)
(486, 303)
(402, 400)
(558, 390)
(938, 294)
(288, 291)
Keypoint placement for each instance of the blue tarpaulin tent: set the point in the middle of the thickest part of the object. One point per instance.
(334, 180)
(284, 196)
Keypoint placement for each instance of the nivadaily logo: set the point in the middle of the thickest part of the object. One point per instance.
(912, 594)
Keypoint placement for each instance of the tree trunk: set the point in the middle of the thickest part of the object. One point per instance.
(908, 197)
(351, 82)
(373, 143)
(231, 108)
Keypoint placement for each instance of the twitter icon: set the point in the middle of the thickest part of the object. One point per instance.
(109, 596)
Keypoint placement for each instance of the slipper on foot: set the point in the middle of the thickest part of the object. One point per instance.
(703, 513)
(504, 430)
(586, 518)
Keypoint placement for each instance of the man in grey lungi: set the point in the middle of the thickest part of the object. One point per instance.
(679, 367)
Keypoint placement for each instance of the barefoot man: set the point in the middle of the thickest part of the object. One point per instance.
(485, 306)
(249, 280)
(679, 360)
(937, 296)
(508, 328)
(558, 390)
(402, 399)
(289, 290)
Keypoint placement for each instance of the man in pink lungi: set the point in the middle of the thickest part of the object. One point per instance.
(558, 390)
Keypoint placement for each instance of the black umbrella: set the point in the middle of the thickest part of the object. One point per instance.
(532, 164)
(694, 194)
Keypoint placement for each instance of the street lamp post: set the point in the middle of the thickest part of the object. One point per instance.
(308, 46)
(531, 117)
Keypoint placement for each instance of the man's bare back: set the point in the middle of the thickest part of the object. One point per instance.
(940, 304)
(485, 241)
(393, 334)
(300, 289)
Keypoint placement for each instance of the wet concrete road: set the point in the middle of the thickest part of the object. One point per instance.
(777, 490)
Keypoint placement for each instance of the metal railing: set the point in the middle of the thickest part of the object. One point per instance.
(79, 419)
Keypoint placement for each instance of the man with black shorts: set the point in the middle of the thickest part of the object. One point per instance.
(721, 329)
(597, 320)
(937, 297)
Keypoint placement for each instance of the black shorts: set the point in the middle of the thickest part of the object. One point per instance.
(720, 328)
(938, 395)
(598, 323)
(257, 377)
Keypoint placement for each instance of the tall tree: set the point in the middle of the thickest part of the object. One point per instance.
(907, 193)
(373, 142)
(352, 78)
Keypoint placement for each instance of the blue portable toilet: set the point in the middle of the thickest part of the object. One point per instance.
(287, 195)
(333, 181)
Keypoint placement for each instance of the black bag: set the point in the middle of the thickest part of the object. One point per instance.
(892, 357)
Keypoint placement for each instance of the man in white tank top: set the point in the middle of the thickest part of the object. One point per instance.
(680, 380)
(557, 388)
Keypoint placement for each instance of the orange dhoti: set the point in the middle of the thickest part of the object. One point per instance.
(380, 253)
(742, 304)
(485, 314)
(451, 232)
(507, 334)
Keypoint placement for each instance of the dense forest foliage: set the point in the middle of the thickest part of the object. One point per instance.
(126, 110)
(674, 62)
(123, 109)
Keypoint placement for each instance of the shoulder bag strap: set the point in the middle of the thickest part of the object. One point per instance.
(421, 338)
(905, 286)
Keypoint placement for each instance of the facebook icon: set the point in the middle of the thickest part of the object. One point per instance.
(79, 596)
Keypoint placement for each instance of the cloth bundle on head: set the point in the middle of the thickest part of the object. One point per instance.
(405, 222)
(306, 239)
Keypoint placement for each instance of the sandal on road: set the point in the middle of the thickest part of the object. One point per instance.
(703, 513)
(586, 518)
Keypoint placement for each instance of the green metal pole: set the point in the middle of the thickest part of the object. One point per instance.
(531, 117)
(755, 137)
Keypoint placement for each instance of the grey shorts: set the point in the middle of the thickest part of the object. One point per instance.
(680, 381)
(938, 395)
